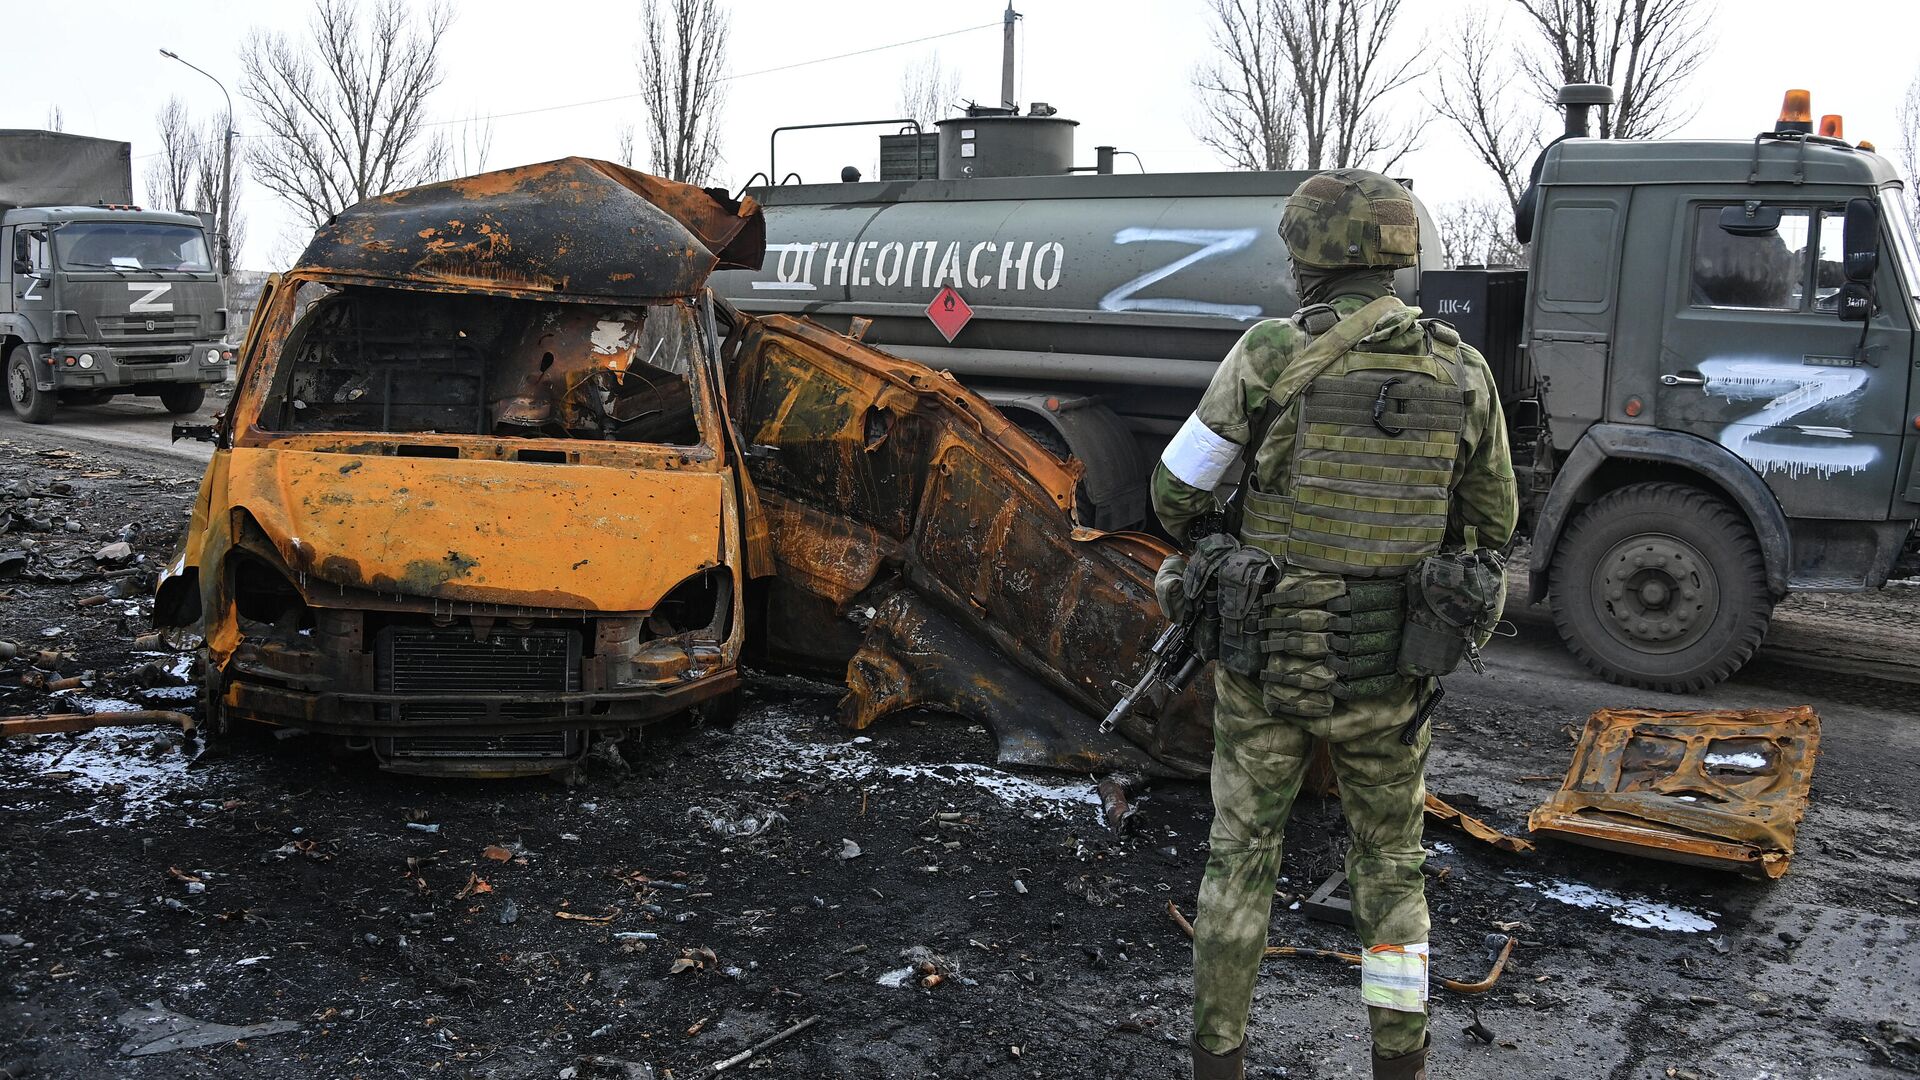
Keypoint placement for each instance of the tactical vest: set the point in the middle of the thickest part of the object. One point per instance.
(1369, 480)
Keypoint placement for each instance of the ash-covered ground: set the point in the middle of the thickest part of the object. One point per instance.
(659, 917)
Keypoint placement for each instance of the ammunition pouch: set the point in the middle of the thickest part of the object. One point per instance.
(1453, 601)
(1328, 638)
(1243, 579)
(1201, 593)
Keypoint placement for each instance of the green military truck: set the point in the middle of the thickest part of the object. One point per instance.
(1707, 372)
(98, 297)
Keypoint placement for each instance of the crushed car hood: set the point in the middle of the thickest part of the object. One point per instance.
(483, 531)
(575, 229)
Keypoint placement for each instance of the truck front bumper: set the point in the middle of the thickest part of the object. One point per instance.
(131, 367)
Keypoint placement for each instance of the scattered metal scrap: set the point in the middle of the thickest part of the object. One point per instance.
(1478, 987)
(1327, 905)
(51, 723)
(158, 1029)
(1720, 789)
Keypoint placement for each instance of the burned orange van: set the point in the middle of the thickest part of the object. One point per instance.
(473, 505)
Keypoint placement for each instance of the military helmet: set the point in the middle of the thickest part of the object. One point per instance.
(1350, 218)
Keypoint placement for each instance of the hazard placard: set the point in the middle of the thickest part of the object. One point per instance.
(949, 312)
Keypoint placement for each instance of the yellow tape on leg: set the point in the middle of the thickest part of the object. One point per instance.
(1395, 977)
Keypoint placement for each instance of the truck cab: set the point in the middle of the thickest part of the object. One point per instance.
(97, 301)
(1721, 334)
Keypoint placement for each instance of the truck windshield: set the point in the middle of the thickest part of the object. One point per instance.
(131, 245)
(1900, 224)
(392, 360)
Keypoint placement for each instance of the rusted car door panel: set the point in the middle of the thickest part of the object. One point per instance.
(914, 507)
(1722, 789)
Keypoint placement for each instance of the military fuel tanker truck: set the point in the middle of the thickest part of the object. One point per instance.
(97, 296)
(1707, 371)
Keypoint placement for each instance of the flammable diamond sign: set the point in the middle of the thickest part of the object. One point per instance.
(949, 313)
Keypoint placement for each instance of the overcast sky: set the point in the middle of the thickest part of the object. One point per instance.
(1123, 69)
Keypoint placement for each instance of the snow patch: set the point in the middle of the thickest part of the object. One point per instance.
(115, 766)
(763, 751)
(1625, 910)
(1747, 760)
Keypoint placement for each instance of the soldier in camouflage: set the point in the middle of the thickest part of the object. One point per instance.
(1372, 442)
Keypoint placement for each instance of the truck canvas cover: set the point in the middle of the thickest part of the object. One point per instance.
(52, 168)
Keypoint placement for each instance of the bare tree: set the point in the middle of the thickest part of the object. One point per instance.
(1248, 113)
(1646, 50)
(623, 146)
(169, 178)
(345, 109)
(683, 57)
(1907, 122)
(1342, 71)
(1479, 230)
(1474, 92)
(207, 153)
(928, 90)
(469, 152)
(55, 121)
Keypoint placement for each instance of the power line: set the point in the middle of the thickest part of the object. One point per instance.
(636, 94)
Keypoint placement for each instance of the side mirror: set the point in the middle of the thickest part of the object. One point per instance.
(1860, 257)
(22, 266)
(1860, 242)
(1752, 218)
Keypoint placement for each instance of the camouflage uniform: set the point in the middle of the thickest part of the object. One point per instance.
(1265, 725)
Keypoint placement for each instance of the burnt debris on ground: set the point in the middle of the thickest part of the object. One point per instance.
(942, 914)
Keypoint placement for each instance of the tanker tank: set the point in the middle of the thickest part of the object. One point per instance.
(1101, 303)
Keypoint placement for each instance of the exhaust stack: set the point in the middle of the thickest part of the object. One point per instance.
(1579, 99)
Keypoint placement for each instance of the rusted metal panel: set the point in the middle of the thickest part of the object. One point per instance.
(570, 229)
(1722, 789)
(900, 501)
(472, 530)
(51, 723)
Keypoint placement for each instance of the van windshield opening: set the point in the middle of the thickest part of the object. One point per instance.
(392, 360)
(131, 245)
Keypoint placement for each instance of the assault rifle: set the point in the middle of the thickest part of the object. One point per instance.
(1172, 662)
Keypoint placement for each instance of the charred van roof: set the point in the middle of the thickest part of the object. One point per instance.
(572, 229)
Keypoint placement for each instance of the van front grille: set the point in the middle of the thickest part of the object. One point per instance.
(436, 660)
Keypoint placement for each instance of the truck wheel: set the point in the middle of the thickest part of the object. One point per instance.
(1660, 586)
(30, 403)
(183, 398)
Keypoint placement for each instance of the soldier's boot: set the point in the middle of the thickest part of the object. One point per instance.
(1231, 1065)
(1410, 1067)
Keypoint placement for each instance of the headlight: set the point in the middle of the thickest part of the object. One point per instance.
(213, 356)
(86, 359)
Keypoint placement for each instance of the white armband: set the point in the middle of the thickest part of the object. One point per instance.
(1197, 456)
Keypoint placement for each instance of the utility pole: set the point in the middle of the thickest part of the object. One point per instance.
(1006, 60)
(226, 170)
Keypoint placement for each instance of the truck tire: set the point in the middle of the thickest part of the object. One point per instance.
(183, 398)
(1660, 586)
(30, 403)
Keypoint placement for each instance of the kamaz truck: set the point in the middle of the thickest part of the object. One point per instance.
(98, 297)
(1707, 371)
